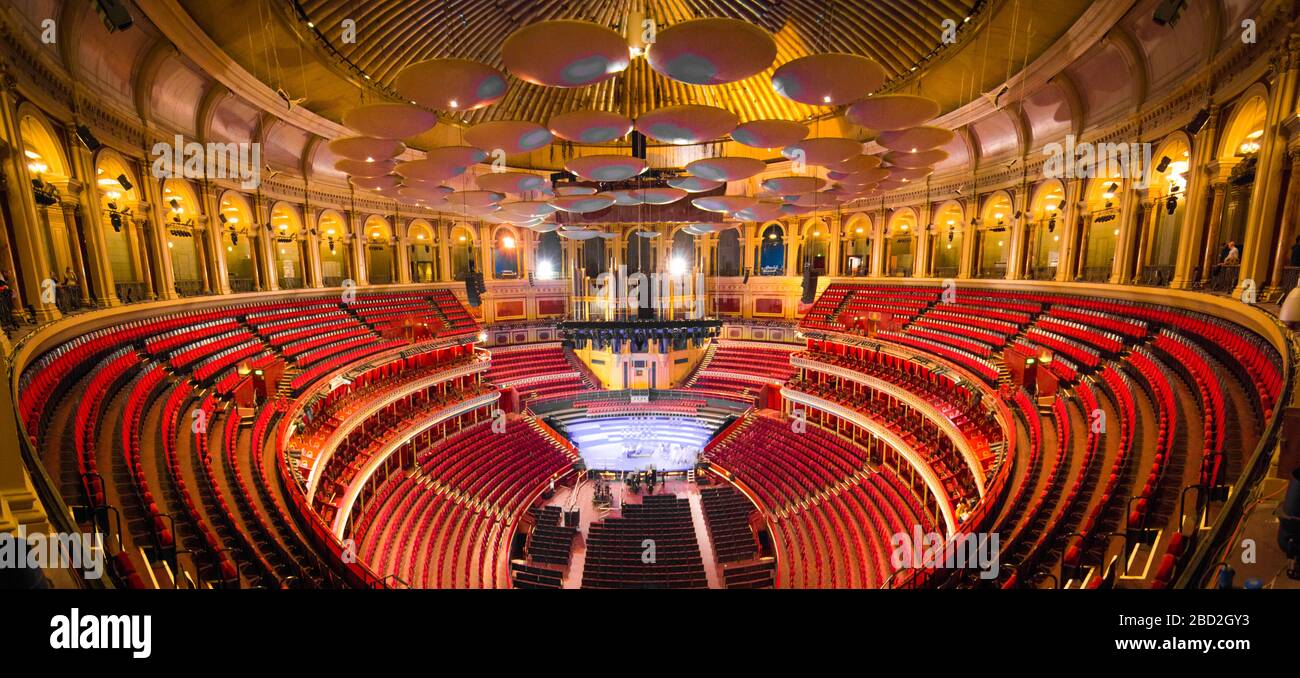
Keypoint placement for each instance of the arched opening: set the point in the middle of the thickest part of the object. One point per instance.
(1102, 205)
(950, 229)
(286, 230)
(505, 253)
(856, 249)
(422, 245)
(1166, 209)
(119, 198)
(641, 256)
(815, 246)
(180, 209)
(899, 237)
(1239, 150)
(1046, 214)
(234, 219)
(994, 232)
(48, 172)
(771, 250)
(594, 255)
(549, 255)
(729, 253)
(682, 260)
(464, 249)
(335, 264)
(379, 250)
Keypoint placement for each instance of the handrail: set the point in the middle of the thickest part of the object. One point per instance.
(1204, 560)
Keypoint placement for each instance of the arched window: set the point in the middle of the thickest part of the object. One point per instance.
(594, 257)
(729, 253)
(815, 246)
(994, 235)
(1103, 202)
(505, 253)
(184, 246)
(771, 252)
(1046, 214)
(235, 219)
(335, 264)
(950, 229)
(464, 249)
(682, 259)
(379, 251)
(899, 238)
(119, 192)
(856, 250)
(286, 230)
(422, 247)
(641, 251)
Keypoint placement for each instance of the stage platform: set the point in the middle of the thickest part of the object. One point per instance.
(641, 442)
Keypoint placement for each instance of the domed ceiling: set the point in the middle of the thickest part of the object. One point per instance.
(337, 55)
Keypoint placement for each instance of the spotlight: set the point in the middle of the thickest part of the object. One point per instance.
(234, 238)
(114, 15)
(175, 205)
(1171, 204)
(1051, 224)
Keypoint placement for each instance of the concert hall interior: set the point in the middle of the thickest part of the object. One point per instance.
(320, 294)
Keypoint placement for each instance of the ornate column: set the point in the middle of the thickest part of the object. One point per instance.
(311, 246)
(214, 234)
(270, 277)
(1282, 255)
(72, 222)
(161, 263)
(1016, 243)
(403, 255)
(1067, 260)
(1262, 217)
(29, 246)
(1210, 255)
(444, 251)
(356, 249)
(1128, 223)
(878, 248)
(141, 250)
(1198, 184)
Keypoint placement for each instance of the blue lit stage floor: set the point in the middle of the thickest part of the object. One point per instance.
(638, 443)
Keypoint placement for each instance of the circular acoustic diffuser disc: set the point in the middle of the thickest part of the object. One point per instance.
(818, 200)
(509, 136)
(606, 167)
(660, 196)
(366, 148)
(390, 120)
(892, 111)
(527, 209)
(425, 193)
(565, 53)
(828, 79)
(793, 185)
(473, 199)
(581, 204)
(441, 163)
(792, 210)
(759, 212)
(382, 183)
(724, 203)
(607, 235)
(909, 173)
(726, 169)
(867, 176)
(711, 51)
(649, 235)
(624, 197)
(857, 163)
(706, 228)
(510, 182)
(694, 184)
(575, 190)
(687, 123)
(590, 127)
(917, 159)
(889, 185)
(584, 234)
(769, 133)
(451, 84)
(361, 168)
(915, 139)
(823, 150)
(544, 228)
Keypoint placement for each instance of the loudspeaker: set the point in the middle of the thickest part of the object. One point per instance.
(87, 138)
(746, 278)
(1167, 12)
(1198, 122)
(121, 179)
(809, 285)
(1163, 164)
(638, 145)
(114, 15)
